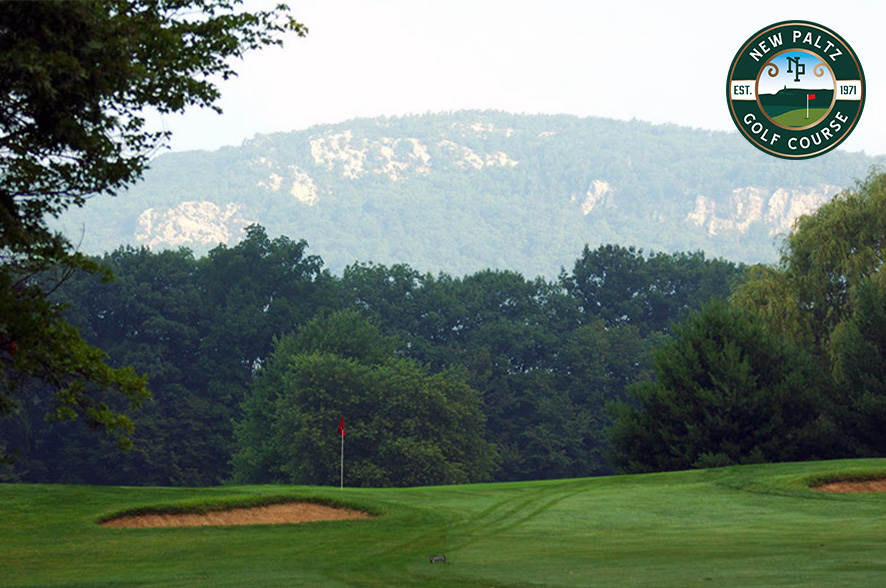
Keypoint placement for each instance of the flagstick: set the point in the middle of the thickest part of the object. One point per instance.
(342, 462)
(807, 105)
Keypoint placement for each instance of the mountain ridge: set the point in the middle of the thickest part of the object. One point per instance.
(467, 190)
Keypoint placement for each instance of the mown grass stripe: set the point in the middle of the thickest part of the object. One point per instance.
(739, 526)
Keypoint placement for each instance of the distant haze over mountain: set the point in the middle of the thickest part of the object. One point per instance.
(468, 190)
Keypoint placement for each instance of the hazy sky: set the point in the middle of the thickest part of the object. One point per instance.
(663, 62)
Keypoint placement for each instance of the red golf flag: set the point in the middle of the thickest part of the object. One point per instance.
(341, 427)
(810, 96)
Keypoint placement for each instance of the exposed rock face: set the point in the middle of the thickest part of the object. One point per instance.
(334, 150)
(786, 206)
(465, 157)
(482, 129)
(197, 223)
(596, 191)
(303, 188)
(399, 158)
(301, 185)
(779, 210)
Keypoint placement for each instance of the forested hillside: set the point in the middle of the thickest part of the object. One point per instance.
(465, 191)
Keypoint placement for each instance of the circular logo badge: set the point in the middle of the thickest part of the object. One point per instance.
(795, 89)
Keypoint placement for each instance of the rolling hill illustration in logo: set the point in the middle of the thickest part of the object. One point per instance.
(788, 97)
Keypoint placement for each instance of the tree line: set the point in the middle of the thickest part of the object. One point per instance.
(793, 367)
(628, 362)
(254, 352)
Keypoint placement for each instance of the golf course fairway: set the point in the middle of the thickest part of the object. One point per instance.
(758, 525)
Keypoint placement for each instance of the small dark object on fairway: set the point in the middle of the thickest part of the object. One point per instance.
(438, 559)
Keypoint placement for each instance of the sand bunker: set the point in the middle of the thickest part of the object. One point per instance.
(866, 486)
(274, 514)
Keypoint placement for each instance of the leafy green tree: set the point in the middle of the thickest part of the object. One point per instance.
(405, 425)
(595, 366)
(197, 330)
(623, 286)
(608, 283)
(859, 368)
(824, 259)
(727, 391)
(253, 292)
(538, 430)
(75, 78)
(257, 457)
(37, 343)
(147, 318)
(543, 375)
(826, 295)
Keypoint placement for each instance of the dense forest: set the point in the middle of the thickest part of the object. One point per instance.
(253, 353)
(630, 362)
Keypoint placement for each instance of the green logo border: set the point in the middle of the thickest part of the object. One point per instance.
(774, 139)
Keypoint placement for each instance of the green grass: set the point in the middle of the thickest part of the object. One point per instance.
(741, 526)
(798, 118)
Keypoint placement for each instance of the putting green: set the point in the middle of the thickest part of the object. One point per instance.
(800, 117)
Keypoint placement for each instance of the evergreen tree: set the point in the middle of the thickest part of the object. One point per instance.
(859, 369)
(726, 391)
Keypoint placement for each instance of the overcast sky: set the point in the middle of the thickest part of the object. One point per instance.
(662, 62)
